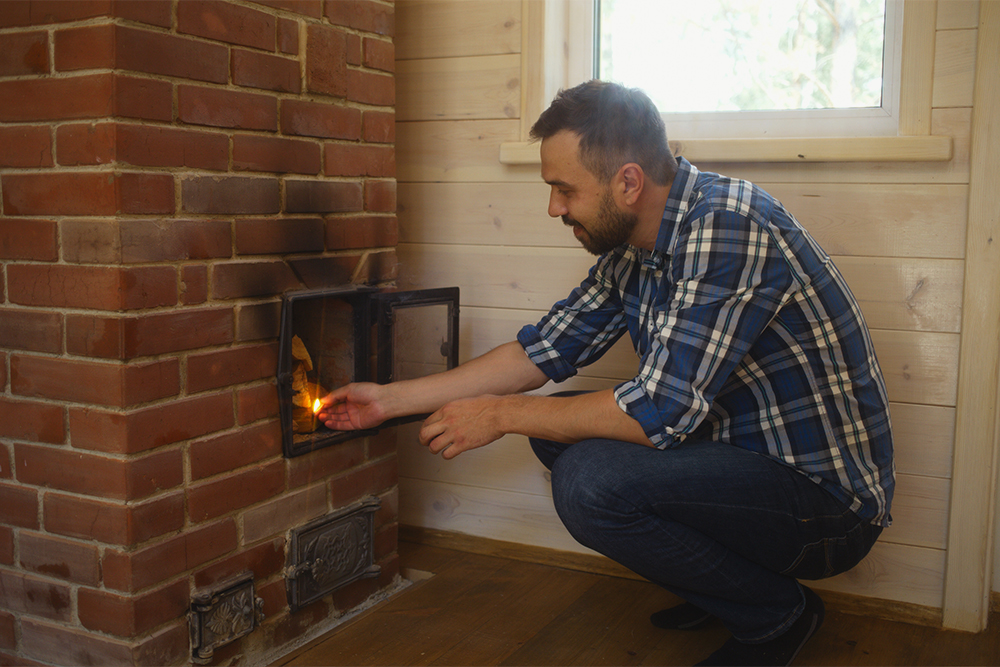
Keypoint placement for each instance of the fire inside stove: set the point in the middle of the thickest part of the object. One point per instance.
(331, 337)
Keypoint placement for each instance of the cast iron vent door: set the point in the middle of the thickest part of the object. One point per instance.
(333, 336)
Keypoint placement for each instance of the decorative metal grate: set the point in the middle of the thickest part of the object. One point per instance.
(330, 553)
(223, 615)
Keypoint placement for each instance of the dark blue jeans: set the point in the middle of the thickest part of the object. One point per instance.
(724, 528)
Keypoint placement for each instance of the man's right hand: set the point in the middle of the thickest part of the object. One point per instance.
(353, 407)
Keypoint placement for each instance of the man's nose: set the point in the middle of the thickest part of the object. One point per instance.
(557, 206)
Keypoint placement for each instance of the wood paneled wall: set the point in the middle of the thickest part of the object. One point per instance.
(897, 231)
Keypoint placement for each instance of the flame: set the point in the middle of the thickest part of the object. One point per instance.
(317, 404)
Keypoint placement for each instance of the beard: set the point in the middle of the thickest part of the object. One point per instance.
(612, 228)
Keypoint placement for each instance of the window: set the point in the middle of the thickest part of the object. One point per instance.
(746, 68)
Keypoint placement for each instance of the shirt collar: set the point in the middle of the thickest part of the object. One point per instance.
(677, 205)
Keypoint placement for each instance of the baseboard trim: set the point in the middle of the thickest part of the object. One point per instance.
(847, 603)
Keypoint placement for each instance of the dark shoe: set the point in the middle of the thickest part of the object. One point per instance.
(684, 616)
(778, 651)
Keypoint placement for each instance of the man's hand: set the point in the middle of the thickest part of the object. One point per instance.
(353, 407)
(462, 425)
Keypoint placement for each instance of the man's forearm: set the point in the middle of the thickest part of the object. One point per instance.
(569, 418)
(504, 370)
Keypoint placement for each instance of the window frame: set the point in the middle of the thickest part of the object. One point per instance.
(557, 32)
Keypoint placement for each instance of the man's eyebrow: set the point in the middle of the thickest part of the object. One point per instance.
(558, 183)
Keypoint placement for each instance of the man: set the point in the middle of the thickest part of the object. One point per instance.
(753, 446)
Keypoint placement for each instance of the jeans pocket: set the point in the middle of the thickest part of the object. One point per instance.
(830, 556)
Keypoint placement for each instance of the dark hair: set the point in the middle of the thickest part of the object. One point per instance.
(616, 125)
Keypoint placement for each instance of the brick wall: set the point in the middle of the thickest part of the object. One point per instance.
(167, 170)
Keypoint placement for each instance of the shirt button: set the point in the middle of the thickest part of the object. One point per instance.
(658, 274)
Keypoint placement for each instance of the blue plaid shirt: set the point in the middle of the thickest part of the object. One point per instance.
(746, 334)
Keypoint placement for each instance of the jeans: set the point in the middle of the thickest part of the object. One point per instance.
(724, 528)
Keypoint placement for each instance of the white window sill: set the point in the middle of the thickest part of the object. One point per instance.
(928, 148)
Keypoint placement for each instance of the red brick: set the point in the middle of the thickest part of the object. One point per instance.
(269, 72)
(27, 594)
(378, 127)
(288, 36)
(74, 193)
(152, 12)
(255, 403)
(5, 469)
(59, 558)
(289, 510)
(354, 50)
(275, 154)
(188, 329)
(233, 492)
(315, 119)
(132, 616)
(230, 195)
(95, 475)
(379, 54)
(88, 47)
(113, 523)
(173, 239)
(325, 271)
(380, 196)
(8, 631)
(170, 55)
(145, 382)
(24, 53)
(312, 8)
(303, 196)
(61, 645)
(370, 480)
(369, 231)
(379, 267)
(167, 646)
(363, 15)
(224, 368)
(145, 193)
(94, 336)
(147, 146)
(34, 100)
(359, 160)
(18, 505)
(148, 99)
(27, 420)
(102, 288)
(326, 60)
(226, 452)
(319, 465)
(257, 321)
(264, 560)
(28, 239)
(371, 88)
(279, 236)
(63, 379)
(90, 241)
(226, 108)
(250, 279)
(150, 427)
(226, 22)
(25, 146)
(15, 13)
(194, 284)
(161, 561)
(64, 11)
(85, 144)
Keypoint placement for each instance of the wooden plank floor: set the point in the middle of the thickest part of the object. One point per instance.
(487, 610)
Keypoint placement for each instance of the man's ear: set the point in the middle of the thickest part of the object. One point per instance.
(630, 180)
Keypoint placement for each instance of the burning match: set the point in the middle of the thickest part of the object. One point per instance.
(317, 404)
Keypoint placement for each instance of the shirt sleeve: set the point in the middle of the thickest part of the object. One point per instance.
(727, 280)
(578, 330)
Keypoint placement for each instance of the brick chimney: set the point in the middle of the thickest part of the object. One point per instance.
(168, 170)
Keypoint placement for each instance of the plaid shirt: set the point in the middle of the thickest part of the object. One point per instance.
(746, 334)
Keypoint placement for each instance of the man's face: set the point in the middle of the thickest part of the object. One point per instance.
(580, 199)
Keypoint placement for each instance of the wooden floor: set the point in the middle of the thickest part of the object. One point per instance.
(486, 610)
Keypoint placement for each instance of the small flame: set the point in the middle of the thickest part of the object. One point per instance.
(317, 404)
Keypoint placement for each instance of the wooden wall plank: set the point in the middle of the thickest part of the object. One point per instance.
(954, 68)
(885, 220)
(451, 28)
(456, 151)
(923, 436)
(919, 367)
(480, 87)
(894, 572)
(957, 14)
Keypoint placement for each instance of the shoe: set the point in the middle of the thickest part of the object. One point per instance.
(778, 651)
